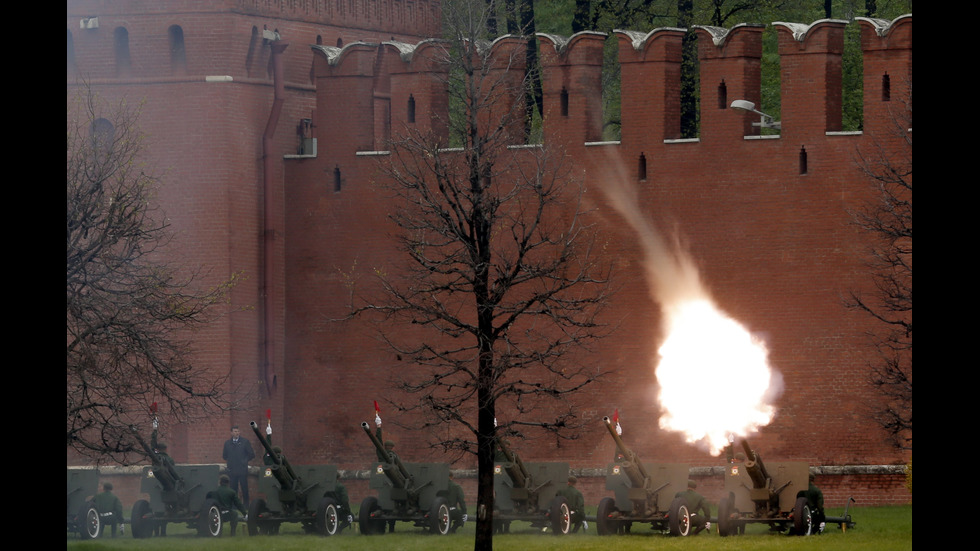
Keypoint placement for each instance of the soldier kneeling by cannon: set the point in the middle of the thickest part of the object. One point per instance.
(228, 501)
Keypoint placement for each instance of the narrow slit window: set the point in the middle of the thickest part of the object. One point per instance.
(123, 62)
(722, 95)
(886, 87)
(336, 179)
(564, 102)
(411, 108)
(803, 160)
(178, 56)
(641, 169)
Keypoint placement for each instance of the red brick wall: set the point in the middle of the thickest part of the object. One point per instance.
(774, 246)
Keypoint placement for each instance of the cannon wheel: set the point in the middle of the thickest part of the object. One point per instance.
(140, 526)
(327, 519)
(209, 521)
(439, 516)
(88, 522)
(679, 518)
(561, 516)
(725, 525)
(802, 519)
(255, 511)
(603, 524)
(368, 525)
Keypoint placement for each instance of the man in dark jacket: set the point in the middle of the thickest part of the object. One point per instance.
(238, 452)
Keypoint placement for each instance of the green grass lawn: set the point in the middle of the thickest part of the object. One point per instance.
(878, 529)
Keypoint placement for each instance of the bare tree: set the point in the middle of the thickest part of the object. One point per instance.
(888, 219)
(505, 280)
(126, 308)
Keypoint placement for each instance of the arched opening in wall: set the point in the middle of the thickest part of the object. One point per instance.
(411, 109)
(641, 169)
(340, 42)
(564, 101)
(253, 46)
(852, 80)
(336, 179)
(121, 42)
(886, 87)
(723, 95)
(102, 133)
(803, 160)
(71, 54)
(178, 56)
(690, 86)
(770, 79)
(319, 42)
(611, 99)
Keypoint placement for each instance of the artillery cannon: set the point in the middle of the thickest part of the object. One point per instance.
(773, 495)
(411, 492)
(528, 492)
(178, 493)
(644, 493)
(305, 494)
(83, 517)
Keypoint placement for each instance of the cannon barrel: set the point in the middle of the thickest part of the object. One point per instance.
(398, 476)
(161, 471)
(632, 466)
(517, 472)
(281, 468)
(755, 467)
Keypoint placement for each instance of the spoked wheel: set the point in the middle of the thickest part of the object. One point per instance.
(88, 521)
(604, 525)
(679, 518)
(367, 525)
(327, 518)
(141, 525)
(725, 525)
(802, 519)
(561, 516)
(439, 516)
(209, 522)
(256, 509)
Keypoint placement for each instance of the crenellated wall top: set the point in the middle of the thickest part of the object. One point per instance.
(882, 27)
(719, 35)
(640, 39)
(800, 31)
(561, 44)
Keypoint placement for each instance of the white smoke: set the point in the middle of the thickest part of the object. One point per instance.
(714, 375)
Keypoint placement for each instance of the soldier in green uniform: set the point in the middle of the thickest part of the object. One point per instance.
(576, 504)
(339, 494)
(390, 448)
(457, 505)
(814, 498)
(697, 507)
(228, 500)
(109, 508)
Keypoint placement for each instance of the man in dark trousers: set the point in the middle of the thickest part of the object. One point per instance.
(238, 452)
